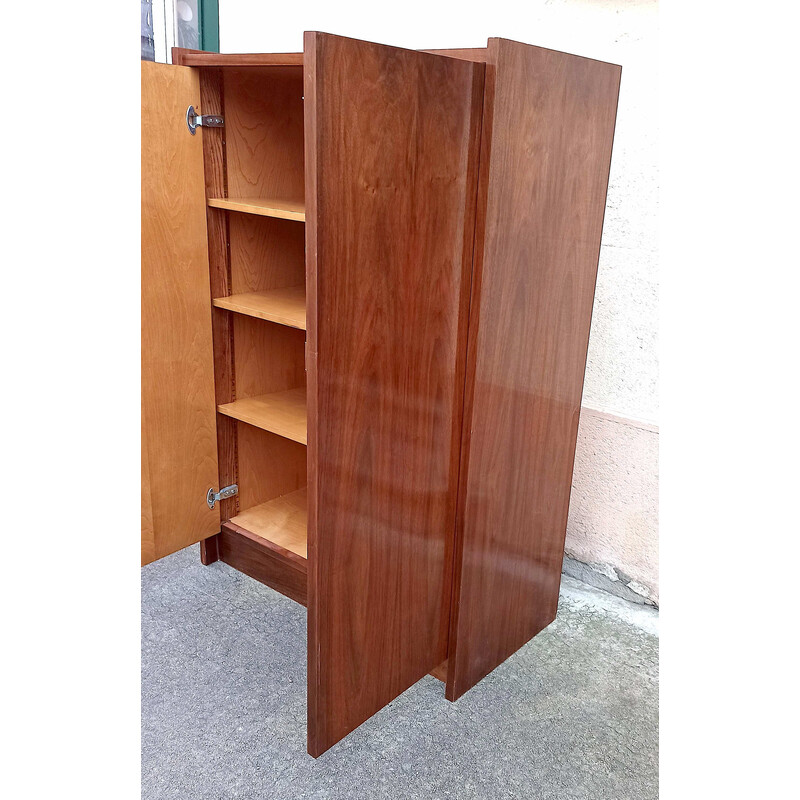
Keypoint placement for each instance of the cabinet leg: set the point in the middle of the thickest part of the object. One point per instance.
(209, 550)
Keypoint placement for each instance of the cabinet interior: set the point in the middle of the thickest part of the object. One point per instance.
(262, 309)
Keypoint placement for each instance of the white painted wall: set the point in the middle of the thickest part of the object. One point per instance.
(613, 514)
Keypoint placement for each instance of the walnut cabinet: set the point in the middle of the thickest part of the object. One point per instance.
(368, 276)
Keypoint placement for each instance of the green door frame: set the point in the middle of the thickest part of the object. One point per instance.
(208, 23)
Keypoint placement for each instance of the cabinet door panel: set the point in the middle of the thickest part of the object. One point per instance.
(391, 160)
(179, 447)
(548, 127)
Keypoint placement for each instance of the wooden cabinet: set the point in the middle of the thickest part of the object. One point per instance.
(366, 304)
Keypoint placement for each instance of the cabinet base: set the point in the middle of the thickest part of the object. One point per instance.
(268, 563)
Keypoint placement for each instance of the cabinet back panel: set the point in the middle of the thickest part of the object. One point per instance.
(269, 357)
(264, 132)
(265, 253)
(269, 466)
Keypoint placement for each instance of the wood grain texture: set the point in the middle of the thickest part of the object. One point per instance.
(282, 521)
(264, 135)
(180, 53)
(467, 53)
(178, 410)
(269, 357)
(279, 208)
(283, 306)
(391, 150)
(283, 413)
(546, 149)
(266, 253)
(269, 465)
(212, 101)
(209, 550)
(278, 568)
(201, 58)
(148, 534)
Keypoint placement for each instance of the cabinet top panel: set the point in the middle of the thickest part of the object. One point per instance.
(199, 58)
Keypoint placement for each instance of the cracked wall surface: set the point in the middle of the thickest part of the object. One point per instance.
(613, 512)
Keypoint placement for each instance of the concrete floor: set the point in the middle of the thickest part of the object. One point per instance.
(573, 714)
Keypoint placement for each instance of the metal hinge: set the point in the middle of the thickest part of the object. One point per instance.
(213, 497)
(195, 121)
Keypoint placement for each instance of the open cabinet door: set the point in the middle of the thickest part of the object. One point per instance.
(179, 443)
(391, 159)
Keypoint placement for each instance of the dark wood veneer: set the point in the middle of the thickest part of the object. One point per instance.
(546, 149)
(453, 204)
(200, 58)
(209, 550)
(278, 568)
(466, 53)
(389, 249)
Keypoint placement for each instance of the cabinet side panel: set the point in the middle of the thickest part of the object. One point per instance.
(391, 152)
(546, 151)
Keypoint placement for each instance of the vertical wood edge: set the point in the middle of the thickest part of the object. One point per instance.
(452, 691)
(209, 550)
(453, 552)
(576, 421)
(315, 719)
(212, 101)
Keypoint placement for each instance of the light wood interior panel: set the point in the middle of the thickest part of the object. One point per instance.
(282, 521)
(265, 253)
(283, 413)
(264, 125)
(264, 200)
(178, 403)
(284, 306)
(269, 466)
(277, 207)
(269, 357)
(148, 534)
(212, 100)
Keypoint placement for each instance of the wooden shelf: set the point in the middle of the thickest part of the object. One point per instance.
(284, 306)
(283, 413)
(282, 521)
(265, 206)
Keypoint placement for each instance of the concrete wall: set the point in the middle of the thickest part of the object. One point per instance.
(612, 532)
(612, 538)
